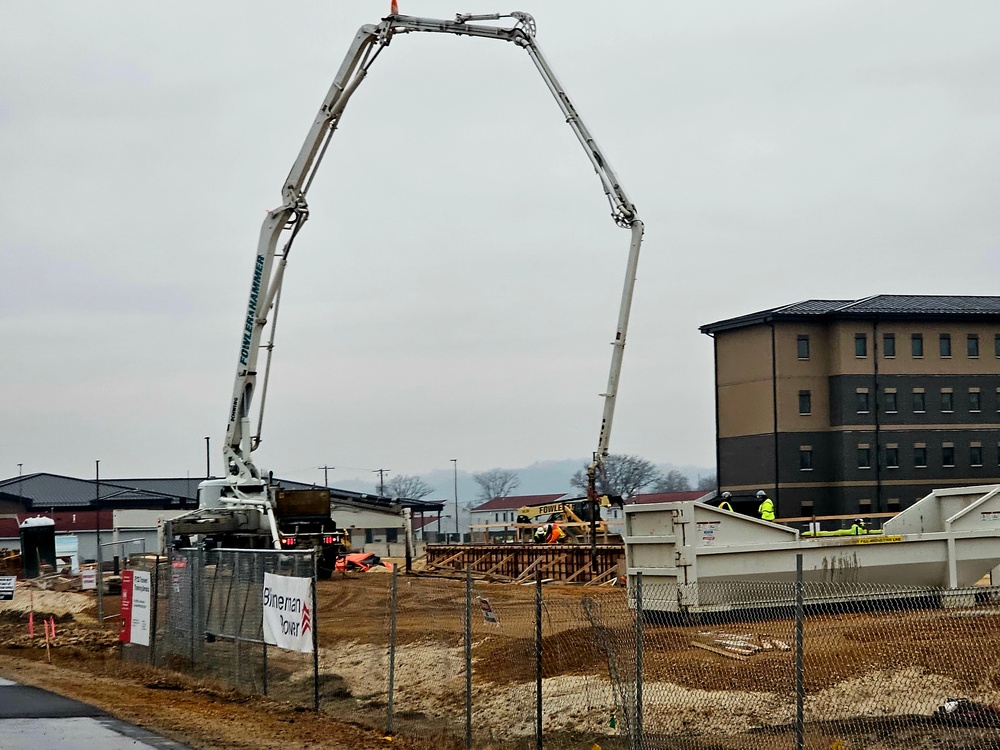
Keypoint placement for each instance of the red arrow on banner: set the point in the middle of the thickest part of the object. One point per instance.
(306, 626)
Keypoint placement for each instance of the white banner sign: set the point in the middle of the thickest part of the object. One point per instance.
(88, 579)
(288, 615)
(7, 584)
(141, 587)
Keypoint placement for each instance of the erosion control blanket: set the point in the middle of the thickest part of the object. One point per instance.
(360, 561)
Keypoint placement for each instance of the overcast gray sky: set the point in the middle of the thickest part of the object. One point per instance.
(456, 287)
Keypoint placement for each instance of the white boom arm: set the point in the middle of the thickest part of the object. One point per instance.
(286, 221)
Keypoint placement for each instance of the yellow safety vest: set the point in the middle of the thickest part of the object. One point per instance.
(766, 509)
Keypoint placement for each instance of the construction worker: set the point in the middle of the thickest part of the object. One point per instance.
(556, 534)
(724, 505)
(766, 509)
(542, 533)
(859, 526)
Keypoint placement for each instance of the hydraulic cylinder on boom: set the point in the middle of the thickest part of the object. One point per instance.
(245, 484)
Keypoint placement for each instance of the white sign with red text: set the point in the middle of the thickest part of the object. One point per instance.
(141, 590)
(288, 612)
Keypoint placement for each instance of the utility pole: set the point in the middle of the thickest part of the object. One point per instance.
(454, 463)
(325, 469)
(208, 457)
(381, 480)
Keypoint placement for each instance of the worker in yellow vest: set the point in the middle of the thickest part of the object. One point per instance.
(766, 509)
(725, 505)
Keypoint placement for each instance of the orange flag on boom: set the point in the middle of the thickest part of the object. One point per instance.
(393, 9)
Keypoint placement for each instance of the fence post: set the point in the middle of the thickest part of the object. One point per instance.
(315, 628)
(538, 659)
(155, 612)
(392, 651)
(799, 675)
(468, 657)
(190, 568)
(637, 724)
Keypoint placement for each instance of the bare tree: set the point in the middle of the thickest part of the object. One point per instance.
(623, 475)
(674, 481)
(408, 486)
(496, 483)
(707, 483)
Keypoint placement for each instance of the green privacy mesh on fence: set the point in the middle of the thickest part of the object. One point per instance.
(879, 666)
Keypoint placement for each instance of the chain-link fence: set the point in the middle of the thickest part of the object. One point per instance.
(206, 619)
(480, 664)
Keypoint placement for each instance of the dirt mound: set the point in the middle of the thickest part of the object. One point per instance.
(27, 599)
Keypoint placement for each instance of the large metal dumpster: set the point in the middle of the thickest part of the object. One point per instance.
(950, 539)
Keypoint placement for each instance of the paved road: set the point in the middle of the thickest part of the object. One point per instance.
(33, 719)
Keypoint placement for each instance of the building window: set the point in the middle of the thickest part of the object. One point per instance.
(892, 457)
(948, 455)
(805, 402)
(975, 401)
(920, 457)
(944, 344)
(996, 344)
(972, 345)
(864, 506)
(889, 345)
(917, 344)
(864, 457)
(947, 401)
(803, 347)
(975, 455)
(919, 402)
(860, 345)
(892, 505)
(890, 401)
(805, 458)
(392, 535)
(369, 536)
(862, 401)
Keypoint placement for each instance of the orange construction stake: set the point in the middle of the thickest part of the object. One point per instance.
(52, 622)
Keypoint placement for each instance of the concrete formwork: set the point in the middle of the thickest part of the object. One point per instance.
(558, 562)
(950, 539)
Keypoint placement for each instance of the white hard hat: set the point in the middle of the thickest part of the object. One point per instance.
(761, 493)
(726, 495)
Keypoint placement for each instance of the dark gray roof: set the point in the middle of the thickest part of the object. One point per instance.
(43, 491)
(882, 306)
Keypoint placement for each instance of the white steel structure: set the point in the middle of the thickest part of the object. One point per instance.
(245, 485)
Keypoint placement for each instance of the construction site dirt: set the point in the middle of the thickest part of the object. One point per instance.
(871, 680)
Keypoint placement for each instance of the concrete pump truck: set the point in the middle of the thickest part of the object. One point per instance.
(246, 507)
